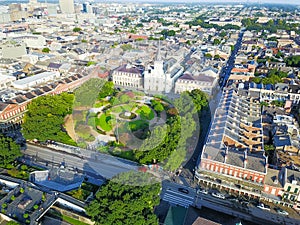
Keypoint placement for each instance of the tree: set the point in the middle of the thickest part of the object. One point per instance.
(223, 34)
(45, 117)
(200, 99)
(76, 29)
(126, 47)
(126, 199)
(157, 106)
(46, 50)
(216, 57)
(216, 41)
(208, 55)
(12, 223)
(90, 63)
(293, 61)
(9, 151)
(107, 90)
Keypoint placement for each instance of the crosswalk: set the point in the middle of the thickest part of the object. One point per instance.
(177, 198)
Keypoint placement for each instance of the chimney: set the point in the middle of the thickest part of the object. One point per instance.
(266, 162)
(226, 154)
(245, 163)
(245, 158)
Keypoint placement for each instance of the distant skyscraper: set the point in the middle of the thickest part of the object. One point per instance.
(32, 2)
(67, 6)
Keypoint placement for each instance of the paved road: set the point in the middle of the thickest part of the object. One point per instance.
(170, 193)
(94, 164)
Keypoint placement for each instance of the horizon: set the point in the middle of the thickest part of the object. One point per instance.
(258, 2)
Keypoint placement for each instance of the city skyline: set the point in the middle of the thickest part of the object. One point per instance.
(294, 2)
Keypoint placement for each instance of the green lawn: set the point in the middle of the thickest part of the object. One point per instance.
(104, 122)
(122, 108)
(138, 124)
(98, 104)
(72, 221)
(80, 194)
(145, 112)
(92, 122)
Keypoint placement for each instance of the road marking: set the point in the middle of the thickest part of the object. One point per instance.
(180, 194)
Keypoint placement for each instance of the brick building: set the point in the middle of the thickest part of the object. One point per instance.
(233, 156)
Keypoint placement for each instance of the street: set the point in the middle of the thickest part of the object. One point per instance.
(94, 164)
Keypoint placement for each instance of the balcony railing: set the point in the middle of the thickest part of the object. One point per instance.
(229, 178)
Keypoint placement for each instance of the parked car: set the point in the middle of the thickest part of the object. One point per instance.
(263, 206)
(281, 211)
(218, 195)
(202, 191)
(183, 190)
(233, 199)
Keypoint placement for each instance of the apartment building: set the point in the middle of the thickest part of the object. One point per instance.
(232, 157)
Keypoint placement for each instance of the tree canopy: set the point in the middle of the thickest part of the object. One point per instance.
(273, 77)
(200, 21)
(76, 29)
(107, 90)
(9, 151)
(272, 25)
(46, 50)
(293, 61)
(45, 117)
(88, 92)
(128, 199)
(169, 144)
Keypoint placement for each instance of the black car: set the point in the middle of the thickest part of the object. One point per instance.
(183, 190)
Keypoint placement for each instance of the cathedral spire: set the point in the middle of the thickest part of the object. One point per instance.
(158, 55)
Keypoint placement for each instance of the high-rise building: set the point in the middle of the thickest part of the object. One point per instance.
(66, 6)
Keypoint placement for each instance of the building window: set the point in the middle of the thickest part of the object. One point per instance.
(296, 190)
(266, 188)
(289, 188)
(292, 198)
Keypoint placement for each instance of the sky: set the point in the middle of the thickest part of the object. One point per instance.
(296, 2)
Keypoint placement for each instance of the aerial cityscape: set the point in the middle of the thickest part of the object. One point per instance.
(150, 112)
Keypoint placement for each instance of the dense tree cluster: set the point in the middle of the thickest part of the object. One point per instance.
(273, 77)
(293, 61)
(272, 25)
(166, 33)
(129, 199)
(9, 151)
(45, 117)
(200, 21)
(171, 142)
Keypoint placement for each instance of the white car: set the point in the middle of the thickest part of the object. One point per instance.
(202, 191)
(264, 207)
(282, 212)
(218, 195)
